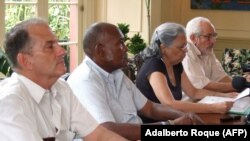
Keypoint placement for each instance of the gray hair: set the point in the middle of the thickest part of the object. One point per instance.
(18, 40)
(164, 34)
(94, 35)
(193, 26)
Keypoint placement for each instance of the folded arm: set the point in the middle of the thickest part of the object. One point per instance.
(102, 134)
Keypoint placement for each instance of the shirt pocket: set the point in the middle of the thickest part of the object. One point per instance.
(65, 135)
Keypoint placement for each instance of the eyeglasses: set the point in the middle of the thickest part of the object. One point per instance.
(210, 37)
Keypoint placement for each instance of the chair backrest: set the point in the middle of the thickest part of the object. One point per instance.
(234, 59)
(134, 64)
(138, 60)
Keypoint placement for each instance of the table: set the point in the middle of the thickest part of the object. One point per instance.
(214, 119)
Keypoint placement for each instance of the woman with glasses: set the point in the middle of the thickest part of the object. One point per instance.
(162, 78)
(200, 63)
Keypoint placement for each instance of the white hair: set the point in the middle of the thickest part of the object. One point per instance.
(193, 26)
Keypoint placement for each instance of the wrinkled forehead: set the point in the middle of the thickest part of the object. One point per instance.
(207, 27)
(38, 28)
(40, 31)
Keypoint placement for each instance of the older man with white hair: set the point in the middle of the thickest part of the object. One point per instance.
(201, 65)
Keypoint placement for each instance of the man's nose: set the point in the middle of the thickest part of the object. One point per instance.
(125, 48)
(213, 39)
(61, 50)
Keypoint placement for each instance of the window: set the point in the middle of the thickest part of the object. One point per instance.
(62, 15)
(16, 11)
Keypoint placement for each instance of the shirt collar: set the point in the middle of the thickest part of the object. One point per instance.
(194, 49)
(108, 76)
(35, 91)
(113, 77)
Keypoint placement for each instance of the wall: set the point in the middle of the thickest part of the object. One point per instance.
(132, 12)
(233, 27)
(123, 11)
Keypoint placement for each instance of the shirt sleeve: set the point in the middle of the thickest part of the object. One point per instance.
(195, 72)
(92, 96)
(139, 99)
(81, 122)
(217, 69)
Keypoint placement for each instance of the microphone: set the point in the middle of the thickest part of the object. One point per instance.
(245, 67)
(240, 83)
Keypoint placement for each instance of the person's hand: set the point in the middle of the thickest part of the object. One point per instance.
(222, 107)
(189, 119)
(247, 77)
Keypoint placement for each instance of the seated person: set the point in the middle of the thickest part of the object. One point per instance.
(108, 94)
(162, 78)
(34, 104)
(200, 64)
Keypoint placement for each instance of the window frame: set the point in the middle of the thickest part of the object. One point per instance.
(76, 51)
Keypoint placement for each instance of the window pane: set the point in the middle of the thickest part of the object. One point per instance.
(14, 13)
(63, 19)
(60, 0)
(20, 0)
(67, 56)
(62, 13)
(59, 20)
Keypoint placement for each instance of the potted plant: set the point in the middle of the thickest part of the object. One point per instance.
(4, 64)
(135, 44)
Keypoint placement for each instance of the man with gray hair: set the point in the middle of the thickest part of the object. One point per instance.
(35, 105)
(201, 65)
(110, 96)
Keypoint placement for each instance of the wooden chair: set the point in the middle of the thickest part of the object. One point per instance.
(133, 67)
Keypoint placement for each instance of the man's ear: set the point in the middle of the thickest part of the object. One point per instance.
(99, 50)
(193, 38)
(24, 61)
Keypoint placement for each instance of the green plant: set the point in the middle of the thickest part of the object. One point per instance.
(4, 64)
(234, 59)
(16, 13)
(124, 29)
(135, 44)
(59, 21)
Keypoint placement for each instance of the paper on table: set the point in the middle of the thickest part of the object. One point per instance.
(241, 106)
(215, 99)
(241, 102)
(244, 93)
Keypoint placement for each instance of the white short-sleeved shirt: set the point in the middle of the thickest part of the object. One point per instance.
(201, 69)
(107, 96)
(26, 114)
